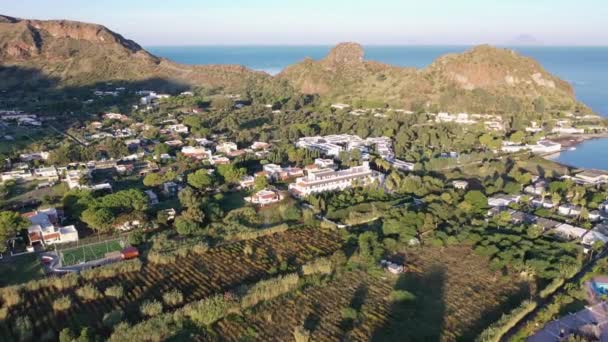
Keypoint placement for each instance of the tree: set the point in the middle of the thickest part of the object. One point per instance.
(230, 173)
(223, 104)
(260, 182)
(370, 249)
(189, 198)
(200, 179)
(517, 137)
(10, 223)
(185, 226)
(476, 199)
(100, 219)
(153, 180)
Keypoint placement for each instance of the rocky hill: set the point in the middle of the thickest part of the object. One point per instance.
(482, 79)
(74, 53)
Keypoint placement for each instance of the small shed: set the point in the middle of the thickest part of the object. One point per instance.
(129, 253)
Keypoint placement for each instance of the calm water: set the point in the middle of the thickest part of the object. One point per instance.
(586, 68)
(591, 154)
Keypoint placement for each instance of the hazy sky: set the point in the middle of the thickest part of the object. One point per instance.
(181, 22)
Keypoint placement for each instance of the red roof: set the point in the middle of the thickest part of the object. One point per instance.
(129, 253)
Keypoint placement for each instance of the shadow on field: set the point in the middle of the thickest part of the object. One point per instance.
(492, 315)
(420, 319)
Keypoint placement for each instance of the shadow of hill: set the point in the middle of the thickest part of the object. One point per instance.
(422, 318)
(61, 107)
(16, 79)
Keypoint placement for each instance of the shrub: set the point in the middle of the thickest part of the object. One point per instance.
(62, 303)
(319, 266)
(115, 291)
(402, 296)
(301, 334)
(66, 335)
(65, 282)
(268, 289)
(88, 292)
(349, 313)
(209, 310)
(496, 330)
(112, 270)
(151, 308)
(161, 258)
(11, 296)
(173, 298)
(3, 313)
(24, 328)
(112, 318)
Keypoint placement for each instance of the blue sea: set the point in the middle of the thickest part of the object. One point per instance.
(586, 68)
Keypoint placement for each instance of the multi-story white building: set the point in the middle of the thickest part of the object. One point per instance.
(330, 180)
(44, 228)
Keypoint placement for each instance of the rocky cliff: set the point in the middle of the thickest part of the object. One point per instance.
(75, 53)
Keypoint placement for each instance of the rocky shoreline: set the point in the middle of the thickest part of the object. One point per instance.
(569, 141)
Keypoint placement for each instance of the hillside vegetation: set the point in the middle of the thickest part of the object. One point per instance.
(484, 79)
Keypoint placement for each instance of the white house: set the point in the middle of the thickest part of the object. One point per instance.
(503, 200)
(46, 173)
(569, 210)
(226, 147)
(265, 197)
(570, 232)
(460, 184)
(45, 229)
(196, 152)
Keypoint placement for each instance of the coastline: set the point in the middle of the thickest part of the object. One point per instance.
(572, 140)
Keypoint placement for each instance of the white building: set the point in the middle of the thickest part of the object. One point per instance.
(568, 130)
(196, 152)
(226, 147)
(46, 173)
(330, 180)
(22, 175)
(402, 165)
(265, 197)
(503, 200)
(179, 128)
(460, 184)
(569, 232)
(27, 157)
(45, 230)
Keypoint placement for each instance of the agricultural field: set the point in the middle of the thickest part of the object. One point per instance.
(91, 252)
(196, 275)
(454, 297)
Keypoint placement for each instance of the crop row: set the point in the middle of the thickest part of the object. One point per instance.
(196, 276)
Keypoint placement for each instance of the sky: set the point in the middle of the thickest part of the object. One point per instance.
(303, 22)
